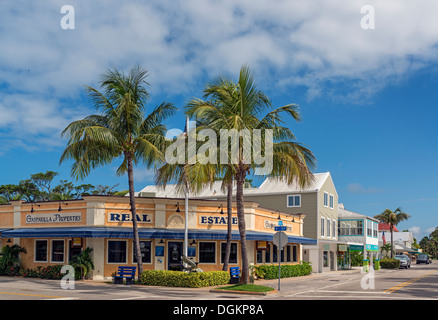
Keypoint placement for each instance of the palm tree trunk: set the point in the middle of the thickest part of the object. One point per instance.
(134, 216)
(240, 180)
(229, 224)
(392, 242)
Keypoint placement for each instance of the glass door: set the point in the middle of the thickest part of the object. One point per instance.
(174, 253)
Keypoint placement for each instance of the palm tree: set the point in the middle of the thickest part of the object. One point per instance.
(238, 106)
(393, 218)
(9, 257)
(84, 262)
(385, 248)
(120, 130)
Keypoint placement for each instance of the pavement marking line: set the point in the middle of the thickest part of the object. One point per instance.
(348, 292)
(371, 298)
(133, 298)
(31, 295)
(404, 284)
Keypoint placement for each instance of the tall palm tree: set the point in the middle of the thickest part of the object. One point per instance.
(393, 218)
(240, 106)
(120, 130)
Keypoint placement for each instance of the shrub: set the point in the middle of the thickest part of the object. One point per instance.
(11, 271)
(388, 263)
(51, 272)
(270, 271)
(184, 279)
(29, 273)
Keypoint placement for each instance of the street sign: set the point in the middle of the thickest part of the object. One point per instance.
(280, 228)
(280, 239)
(280, 223)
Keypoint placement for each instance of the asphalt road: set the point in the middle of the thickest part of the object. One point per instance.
(420, 282)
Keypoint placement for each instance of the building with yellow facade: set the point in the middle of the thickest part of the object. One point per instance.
(53, 232)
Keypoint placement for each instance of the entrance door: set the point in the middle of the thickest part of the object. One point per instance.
(174, 253)
(332, 261)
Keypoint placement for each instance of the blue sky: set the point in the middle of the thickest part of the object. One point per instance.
(368, 97)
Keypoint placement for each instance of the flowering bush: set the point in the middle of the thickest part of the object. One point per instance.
(51, 272)
(12, 271)
(29, 273)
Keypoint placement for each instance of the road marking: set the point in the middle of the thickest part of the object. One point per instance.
(133, 298)
(404, 284)
(348, 292)
(66, 298)
(373, 298)
(31, 295)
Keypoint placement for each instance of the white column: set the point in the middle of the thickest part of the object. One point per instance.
(98, 255)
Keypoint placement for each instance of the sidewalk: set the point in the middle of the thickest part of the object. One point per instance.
(272, 282)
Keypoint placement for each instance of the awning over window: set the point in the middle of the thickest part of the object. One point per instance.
(144, 233)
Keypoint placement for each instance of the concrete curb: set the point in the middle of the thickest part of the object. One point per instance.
(244, 292)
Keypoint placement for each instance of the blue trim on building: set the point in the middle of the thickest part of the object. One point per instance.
(144, 233)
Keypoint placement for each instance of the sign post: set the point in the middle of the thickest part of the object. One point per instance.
(280, 239)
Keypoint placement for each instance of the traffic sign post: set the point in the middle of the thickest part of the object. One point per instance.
(280, 239)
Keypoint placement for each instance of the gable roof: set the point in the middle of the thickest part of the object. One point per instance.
(385, 227)
(346, 214)
(269, 186)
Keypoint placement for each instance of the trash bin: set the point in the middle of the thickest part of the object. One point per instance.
(377, 264)
(366, 265)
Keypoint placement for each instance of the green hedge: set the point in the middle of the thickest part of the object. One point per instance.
(184, 279)
(270, 271)
(388, 263)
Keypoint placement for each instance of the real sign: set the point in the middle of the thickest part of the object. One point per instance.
(126, 217)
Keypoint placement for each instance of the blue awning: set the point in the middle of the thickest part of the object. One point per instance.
(144, 233)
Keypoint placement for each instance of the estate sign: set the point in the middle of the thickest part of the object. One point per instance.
(216, 220)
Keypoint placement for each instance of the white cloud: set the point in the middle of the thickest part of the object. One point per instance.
(359, 189)
(183, 44)
(416, 230)
(430, 230)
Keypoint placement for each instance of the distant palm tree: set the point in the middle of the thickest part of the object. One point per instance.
(240, 106)
(121, 130)
(393, 218)
(385, 248)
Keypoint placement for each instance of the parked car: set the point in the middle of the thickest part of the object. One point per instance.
(405, 261)
(424, 258)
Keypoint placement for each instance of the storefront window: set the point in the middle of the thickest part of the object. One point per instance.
(268, 254)
(353, 228)
(288, 253)
(207, 252)
(294, 254)
(116, 251)
(41, 250)
(58, 251)
(260, 256)
(233, 253)
(145, 249)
